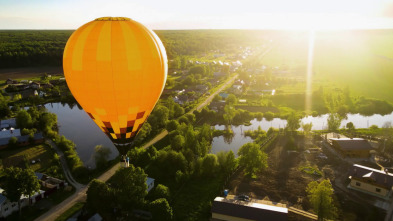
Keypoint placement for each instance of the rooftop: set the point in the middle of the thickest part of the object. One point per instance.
(253, 210)
(352, 143)
(381, 178)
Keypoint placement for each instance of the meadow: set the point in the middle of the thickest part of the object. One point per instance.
(360, 60)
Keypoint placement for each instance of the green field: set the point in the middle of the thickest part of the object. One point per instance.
(361, 60)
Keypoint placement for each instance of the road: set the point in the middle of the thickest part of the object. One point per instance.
(80, 194)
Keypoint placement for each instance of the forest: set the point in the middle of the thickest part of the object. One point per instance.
(28, 48)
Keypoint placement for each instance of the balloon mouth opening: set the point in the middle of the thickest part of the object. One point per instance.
(112, 19)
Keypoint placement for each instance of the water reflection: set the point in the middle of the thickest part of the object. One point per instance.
(77, 126)
(237, 139)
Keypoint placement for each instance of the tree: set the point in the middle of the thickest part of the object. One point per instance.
(230, 113)
(161, 191)
(23, 119)
(13, 186)
(20, 182)
(350, 126)
(98, 193)
(12, 142)
(30, 183)
(334, 122)
(307, 127)
(101, 155)
(252, 158)
(320, 196)
(231, 100)
(178, 142)
(129, 187)
(293, 122)
(172, 125)
(161, 210)
(227, 161)
(209, 165)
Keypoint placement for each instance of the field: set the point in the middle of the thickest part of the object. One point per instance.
(360, 60)
(24, 155)
(289, 172)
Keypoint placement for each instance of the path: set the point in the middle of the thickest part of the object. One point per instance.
(210, 98)
(80, 194)
(64, 166)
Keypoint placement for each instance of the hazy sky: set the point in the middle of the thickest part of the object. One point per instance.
(201, 14)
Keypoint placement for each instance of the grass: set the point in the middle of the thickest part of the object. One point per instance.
(29, 153)
(71, 211)
(360, 60)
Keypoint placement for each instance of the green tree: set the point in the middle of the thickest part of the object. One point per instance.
(101, 155)
(172, 125)
(23, 119)
(100, 198)
(350, 126)
(307, 127)
(177, 110)
(231, 100)
(161, 191)
(334, 122)
(178, 142)
(129, 187)
(321, 199)
(161, 210)
(269, 116)
(209, 165)
(229, 113)
(18, 182)
(12, 142)
(30, 183)
(227, 161)
(252, 158)
(293, 122)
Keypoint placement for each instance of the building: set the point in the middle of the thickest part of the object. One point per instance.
(9, 133)
(7, 207)
(149, 183)
(236, 210)
(372, 181)
(22, 140)
(351, 147)
(8, 123)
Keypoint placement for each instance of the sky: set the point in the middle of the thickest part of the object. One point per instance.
(201, 14)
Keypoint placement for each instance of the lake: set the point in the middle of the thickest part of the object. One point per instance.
(77, 126)
(224, 144)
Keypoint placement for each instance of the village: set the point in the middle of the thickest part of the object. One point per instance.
(208, 97)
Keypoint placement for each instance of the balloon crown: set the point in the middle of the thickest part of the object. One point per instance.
(112, 19)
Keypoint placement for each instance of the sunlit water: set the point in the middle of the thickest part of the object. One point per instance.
(319, 123)
(77, 126)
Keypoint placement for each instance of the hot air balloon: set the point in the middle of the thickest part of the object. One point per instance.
(116, 69)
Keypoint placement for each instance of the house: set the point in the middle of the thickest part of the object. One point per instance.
(9, 133)
(372, 181)
(22, 140)
(149, 183)
(351, 147)
(232, 209)
(7, 207)
(35, 85)
(8, 123)
(50, 184)
(10, 81)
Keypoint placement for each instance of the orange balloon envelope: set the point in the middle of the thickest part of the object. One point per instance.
(116, 69)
